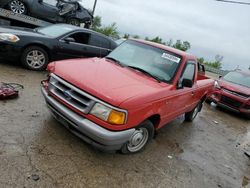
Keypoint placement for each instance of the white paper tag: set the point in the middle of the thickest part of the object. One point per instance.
(171, 57)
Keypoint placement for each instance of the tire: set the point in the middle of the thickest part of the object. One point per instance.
(190, 116)
(208, 101)
(18, 7)
(73, 21)
(144, 133)
(35, 58)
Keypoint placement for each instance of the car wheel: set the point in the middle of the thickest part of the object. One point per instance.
(190, 116)
(73, 21)
(18, 7)
(35, 58)
(142, 135)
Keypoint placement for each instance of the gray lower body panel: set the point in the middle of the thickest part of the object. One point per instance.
(85, 129)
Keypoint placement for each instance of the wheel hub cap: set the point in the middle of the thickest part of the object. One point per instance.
(35, 59)
(138, 140)
(17, 7)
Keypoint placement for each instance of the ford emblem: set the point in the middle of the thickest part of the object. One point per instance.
(67, 94)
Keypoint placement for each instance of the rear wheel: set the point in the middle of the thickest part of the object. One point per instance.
(189, 116)
(35, 58)
(142, 135)
(18, 7)
(73, 21)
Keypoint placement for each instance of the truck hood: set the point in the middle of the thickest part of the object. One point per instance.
(106, 80)
(235, 87)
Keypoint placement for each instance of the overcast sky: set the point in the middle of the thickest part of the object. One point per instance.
(210, 26)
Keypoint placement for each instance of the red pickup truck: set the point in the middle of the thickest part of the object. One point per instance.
(118, 102)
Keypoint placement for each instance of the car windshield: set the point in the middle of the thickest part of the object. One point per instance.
(153, 61)
(54, 30)
(239, 78)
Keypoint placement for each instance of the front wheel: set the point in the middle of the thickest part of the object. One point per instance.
(189, 116)
(142, 135)
(18, 7)
(35, 58)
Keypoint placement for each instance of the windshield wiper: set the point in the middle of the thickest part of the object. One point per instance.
(147, 73)
(115, 60)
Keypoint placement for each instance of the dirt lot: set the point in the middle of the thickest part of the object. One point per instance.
(36, 151)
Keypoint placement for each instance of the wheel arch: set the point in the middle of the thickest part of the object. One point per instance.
(204, 97)
(39, 45)
(155, 120)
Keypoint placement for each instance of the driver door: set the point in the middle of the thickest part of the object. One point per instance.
(185, 97)
(45, 9)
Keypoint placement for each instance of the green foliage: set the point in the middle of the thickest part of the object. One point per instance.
(184, 46)
(156, 39)
(97, 23)
(126, 36)
(110, 30)
(215, 64)
(136, 36)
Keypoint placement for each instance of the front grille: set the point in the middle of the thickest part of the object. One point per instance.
(70, 94)
(244, 96)
(230, 101)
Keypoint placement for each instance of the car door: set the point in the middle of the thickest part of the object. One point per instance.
(77, 46)
(45, 9)
(184, 96)
(101, 45)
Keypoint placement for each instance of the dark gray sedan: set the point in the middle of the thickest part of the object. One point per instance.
(51, 10)
(37, 47)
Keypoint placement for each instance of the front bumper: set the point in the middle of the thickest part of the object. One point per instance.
(239, 106)
(9, 50)
(88, 131)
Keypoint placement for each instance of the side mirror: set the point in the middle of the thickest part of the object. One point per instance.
(40, 1)
(184, 83)
(187, 83)
(69, 40)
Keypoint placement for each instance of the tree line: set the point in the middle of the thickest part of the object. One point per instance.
(112, 31)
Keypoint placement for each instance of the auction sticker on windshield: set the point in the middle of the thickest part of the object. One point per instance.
(171, 57)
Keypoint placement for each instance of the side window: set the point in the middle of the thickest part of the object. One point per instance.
(189, 71)
(81, 38)
(99, 41)
(50, 2)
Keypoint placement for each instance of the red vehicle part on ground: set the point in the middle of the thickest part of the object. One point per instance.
(233, 92)
(118, 102)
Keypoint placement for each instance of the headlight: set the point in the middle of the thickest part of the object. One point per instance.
(108, 114)
(217, 85)
(8, 37)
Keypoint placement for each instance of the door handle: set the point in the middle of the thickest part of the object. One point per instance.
(193, 93)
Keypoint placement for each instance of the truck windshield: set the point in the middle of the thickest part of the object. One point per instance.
(54, 30)
(239, 78)
(156, 62)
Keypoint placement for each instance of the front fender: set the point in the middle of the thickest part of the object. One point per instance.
(83, 15)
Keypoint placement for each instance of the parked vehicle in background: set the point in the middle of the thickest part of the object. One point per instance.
(232, 92)
(63, 11)
(37, 47)
(118, 102)
(119, 41)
